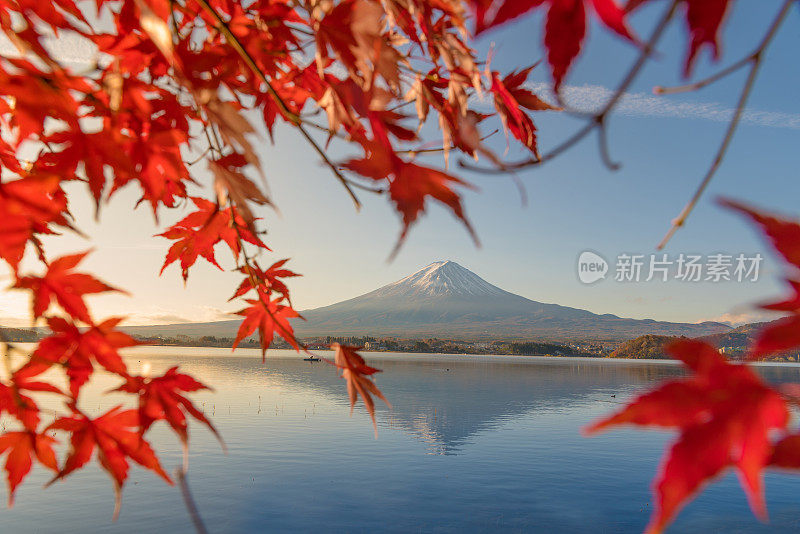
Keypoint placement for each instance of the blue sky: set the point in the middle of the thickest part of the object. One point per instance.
(575, 203)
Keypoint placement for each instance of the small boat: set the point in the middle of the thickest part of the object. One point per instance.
(312, 359)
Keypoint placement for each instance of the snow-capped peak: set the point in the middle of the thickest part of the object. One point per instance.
(442, 278)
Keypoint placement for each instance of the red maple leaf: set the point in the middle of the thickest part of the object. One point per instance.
(357, 374)
(27, 207)
(703, 19)
(64, 286)
(161, 398)
(22, 447)
(786, 452)
(509, 97)
(150, 128)
(724, 413)
(791, 303)
(784, 234)
(76, 349)
(270, 279)
(269, 316)
(353, 30)
(409, 184)
(115, 436)
(94, 153)
(777, 337)
(565, 25)
(14, 402)
(198, 233)
(53, 12)
(40, 94)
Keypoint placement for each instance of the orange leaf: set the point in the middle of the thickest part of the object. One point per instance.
(231, 185)
(269, 278)
(22, 447)
(160, 398)
(356, 372)
(198, 233)
(116, 438)
(156, 28)
(76, 349)
(64, 286)
(410, 184)
(27, 207)
(269, 316)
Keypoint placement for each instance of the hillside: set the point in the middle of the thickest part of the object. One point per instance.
(19, 335)
(733, 343)
(739, 338)
(650, 347)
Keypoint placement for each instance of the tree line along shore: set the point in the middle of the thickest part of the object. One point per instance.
(733, 344)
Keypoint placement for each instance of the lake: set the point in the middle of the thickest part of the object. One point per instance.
(471, 444)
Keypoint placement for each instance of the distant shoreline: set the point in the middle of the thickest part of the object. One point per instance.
(419, 346)
(647, 347)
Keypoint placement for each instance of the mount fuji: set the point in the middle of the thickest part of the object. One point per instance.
(444, 299)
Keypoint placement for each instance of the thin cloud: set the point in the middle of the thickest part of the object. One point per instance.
(591, 98)
(738, 318)
(157, 315)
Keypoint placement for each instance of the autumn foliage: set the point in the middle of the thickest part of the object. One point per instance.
(170, 99)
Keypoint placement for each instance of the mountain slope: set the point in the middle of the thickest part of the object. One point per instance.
(446, 300)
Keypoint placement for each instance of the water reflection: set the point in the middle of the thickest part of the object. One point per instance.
(445, 402)
(504, 433)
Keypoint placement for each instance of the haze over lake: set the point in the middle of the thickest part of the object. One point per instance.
(471, 444)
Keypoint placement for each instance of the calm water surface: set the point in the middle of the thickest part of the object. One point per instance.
(471, 444)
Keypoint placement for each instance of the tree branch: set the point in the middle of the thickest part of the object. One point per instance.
(194, 513)
(292, 116)
(659, 90)
(755, 60)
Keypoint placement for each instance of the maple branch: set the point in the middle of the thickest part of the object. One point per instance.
(215, 145)
(414, 152)
(755, 60)
(400, 105)
(254, 283)
(376, 190)
(687, 88)
(292, 116)
(325, 129)
(596, 120)
(301, 30)
(191, 506)
(602, 147)
(200, 158)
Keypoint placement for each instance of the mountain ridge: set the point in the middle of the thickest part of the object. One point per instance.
(444, 299)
